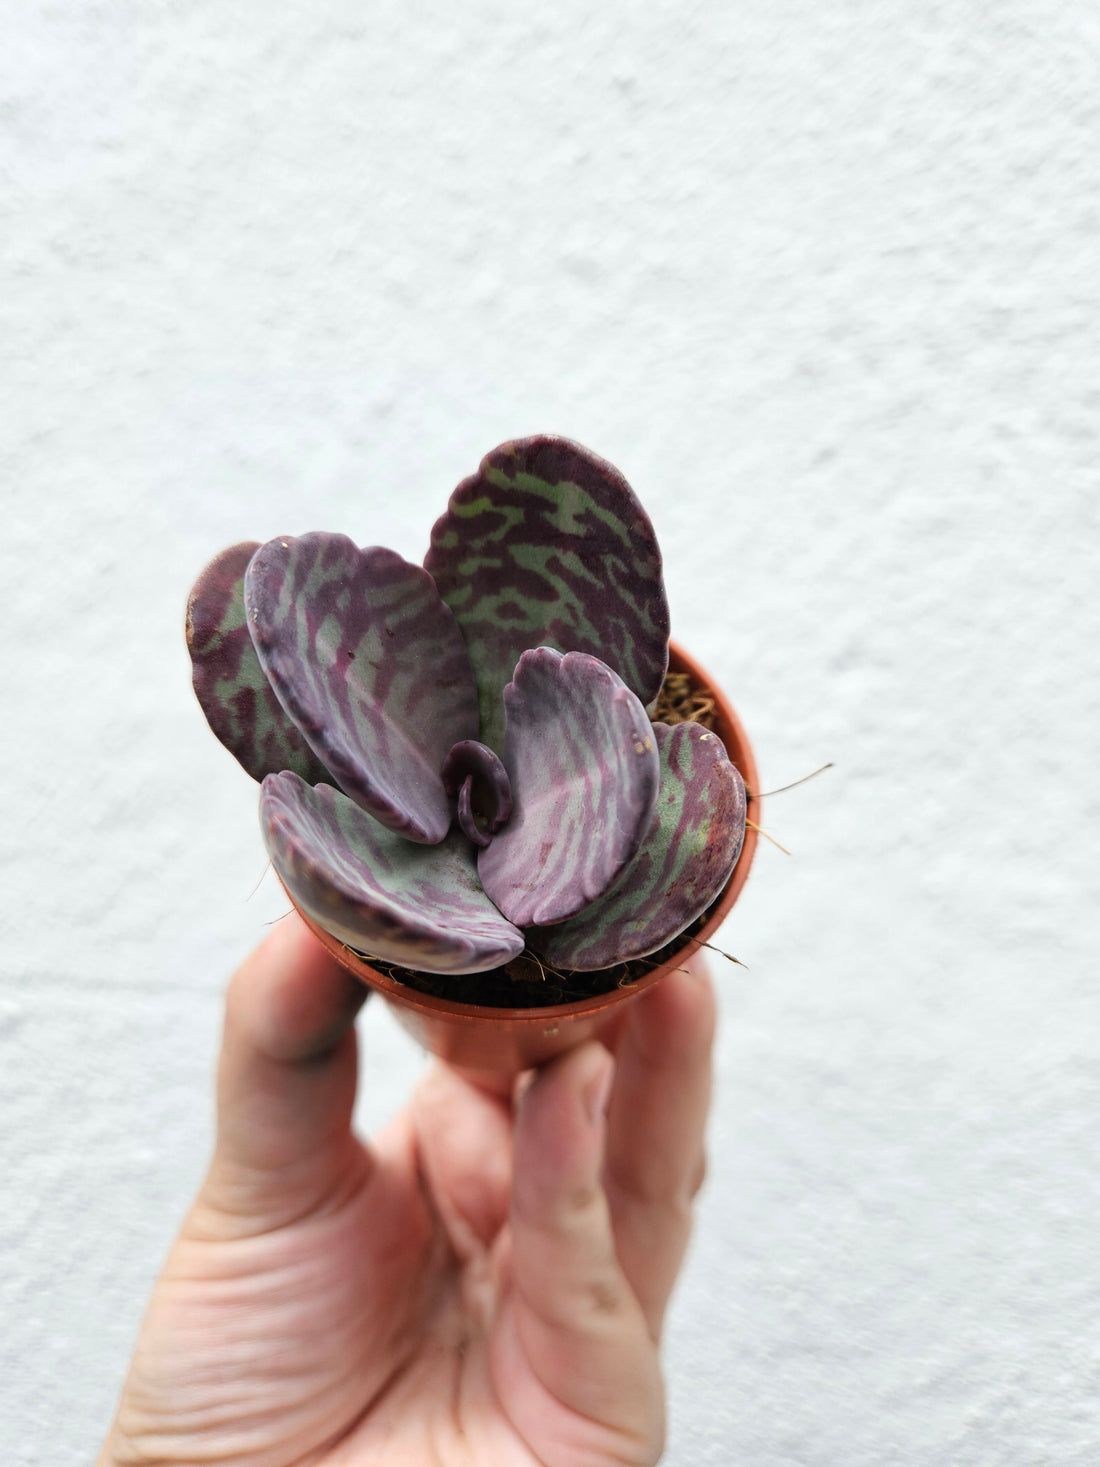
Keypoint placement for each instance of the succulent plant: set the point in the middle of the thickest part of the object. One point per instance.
(458, 761)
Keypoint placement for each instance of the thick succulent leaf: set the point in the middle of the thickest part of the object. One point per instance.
(547, 546)
(369, 663)
(230, 684)
(467, 819)
(420, 906)
(584, 770)
(478, 778)
(685, 861)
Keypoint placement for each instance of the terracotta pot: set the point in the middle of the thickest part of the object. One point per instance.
(483, 1039)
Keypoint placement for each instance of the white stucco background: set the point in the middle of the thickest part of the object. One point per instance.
(824, 281)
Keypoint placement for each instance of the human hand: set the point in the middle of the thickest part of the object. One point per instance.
(483, 1283)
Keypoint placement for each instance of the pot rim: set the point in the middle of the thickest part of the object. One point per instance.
(732, 732)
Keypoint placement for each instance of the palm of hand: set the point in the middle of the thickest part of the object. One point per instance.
(482, 1284)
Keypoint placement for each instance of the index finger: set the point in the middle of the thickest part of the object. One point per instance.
(287, 1074)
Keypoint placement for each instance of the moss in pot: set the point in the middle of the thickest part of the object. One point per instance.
(459, 770)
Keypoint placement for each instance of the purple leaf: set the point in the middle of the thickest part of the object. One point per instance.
(475, 774)
(684, 862)
(420, 906)
(370, 665)
(584, 770)
(467, 820)
(229, 682)
(547, 546)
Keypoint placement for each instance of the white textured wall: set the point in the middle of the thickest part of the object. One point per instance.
(823, 279)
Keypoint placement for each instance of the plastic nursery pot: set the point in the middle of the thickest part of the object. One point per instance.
(480, 1038)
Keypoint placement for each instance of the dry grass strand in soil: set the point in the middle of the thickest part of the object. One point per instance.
(528, 982)
(680, 701)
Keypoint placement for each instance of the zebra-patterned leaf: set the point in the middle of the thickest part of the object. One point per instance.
(583, 766)
(547, 546)
(684, 862)
(230, 684)
(370, 665)
(420, 906)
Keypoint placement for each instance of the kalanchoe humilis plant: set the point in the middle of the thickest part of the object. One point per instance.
(457, 761)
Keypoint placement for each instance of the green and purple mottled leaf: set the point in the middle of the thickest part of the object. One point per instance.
(684, 862)
(369, 663)
(420, 906)
(547, 546)
(583, 765)
(239, 702)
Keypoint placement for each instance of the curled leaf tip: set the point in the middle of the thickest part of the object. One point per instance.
(467, 820)
(476, 775)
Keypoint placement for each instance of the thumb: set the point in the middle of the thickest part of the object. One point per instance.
(576, 1322)
(286, 1078)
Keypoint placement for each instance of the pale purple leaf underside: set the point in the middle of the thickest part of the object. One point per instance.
(583, 765)
(370, 664)
(416, 905)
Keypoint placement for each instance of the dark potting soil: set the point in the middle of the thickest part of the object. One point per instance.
(529, 983)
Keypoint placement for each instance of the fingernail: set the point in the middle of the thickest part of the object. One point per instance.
(598, 1091)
